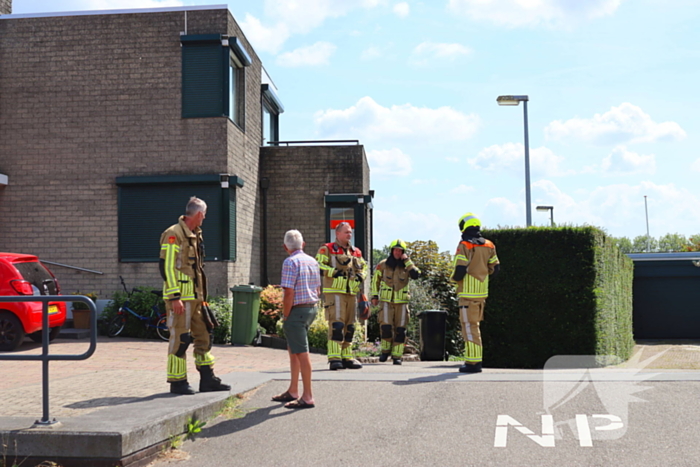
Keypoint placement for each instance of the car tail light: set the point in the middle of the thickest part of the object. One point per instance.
(22, 287)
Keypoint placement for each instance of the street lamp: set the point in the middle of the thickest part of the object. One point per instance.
(551, 212)
(515, 100)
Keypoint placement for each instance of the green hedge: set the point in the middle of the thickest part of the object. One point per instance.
(560, 291)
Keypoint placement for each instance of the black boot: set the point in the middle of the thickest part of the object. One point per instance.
(383, 357)
(397, 361)
(181, 387)
(208, 382)
(351, 363)
(467, 368)
(336, 365)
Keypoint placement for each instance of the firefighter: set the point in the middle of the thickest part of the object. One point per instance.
(184, 292)
(343, 269)
(474, 262)
(390, 287)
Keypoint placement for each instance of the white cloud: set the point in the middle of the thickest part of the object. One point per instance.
(462, 190)
(424, 52)
(369, 121)
(402, 9)
(389, 163)
(695, 166)
(511, 157)
(623, 162)
(514, 13)
(618, 209)
(371, 53)
(626, 123)
(313, 55)
(264, 39)
(392, 222)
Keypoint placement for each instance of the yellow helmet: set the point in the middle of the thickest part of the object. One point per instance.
(468, 220)
(398, 243)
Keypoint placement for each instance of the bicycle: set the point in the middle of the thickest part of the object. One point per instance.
(154, 320)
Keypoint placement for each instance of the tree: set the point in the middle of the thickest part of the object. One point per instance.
(672, 242)
(644, 244)
(693, 243)
(624, 244)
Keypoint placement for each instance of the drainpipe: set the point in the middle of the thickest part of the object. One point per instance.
(264, 185)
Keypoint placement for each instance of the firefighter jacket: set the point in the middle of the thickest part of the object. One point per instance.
(390, 280)
(480, 261)
(182, 263)
(342, 270)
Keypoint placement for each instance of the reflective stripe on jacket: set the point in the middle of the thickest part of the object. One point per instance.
(392, 285)
(332, 258)
(181, 254)
(480, 261)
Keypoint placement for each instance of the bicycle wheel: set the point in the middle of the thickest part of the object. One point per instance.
(116, 326)
(162, 328)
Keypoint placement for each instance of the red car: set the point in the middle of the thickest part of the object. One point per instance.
(22, 275)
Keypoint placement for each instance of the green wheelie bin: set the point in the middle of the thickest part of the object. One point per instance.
(244, 320)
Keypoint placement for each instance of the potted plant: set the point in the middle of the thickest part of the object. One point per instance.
(81, 312)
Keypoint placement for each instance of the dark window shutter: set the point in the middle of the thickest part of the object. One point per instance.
(202, 80)
(146, 210)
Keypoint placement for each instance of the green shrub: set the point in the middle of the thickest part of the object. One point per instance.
(270, 308)
(561, 291)
(222, 308)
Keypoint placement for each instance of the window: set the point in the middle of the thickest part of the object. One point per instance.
(149, 205)
(271, 108)
(236, 91)
(213, 77)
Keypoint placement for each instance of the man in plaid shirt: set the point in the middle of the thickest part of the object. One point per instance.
(301, 282)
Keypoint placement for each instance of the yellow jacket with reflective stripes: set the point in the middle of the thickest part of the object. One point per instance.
(391, 284)
(333, 258)
(182, 263)
(480, 261)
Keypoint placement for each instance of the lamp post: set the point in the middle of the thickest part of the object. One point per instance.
(551, 212)
(515, 100)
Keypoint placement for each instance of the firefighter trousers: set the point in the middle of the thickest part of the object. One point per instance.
(471, 313)
(393, 320)
(185, 329)
(340, 314)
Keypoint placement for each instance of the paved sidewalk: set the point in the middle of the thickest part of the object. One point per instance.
(120, 370)
(115, 409)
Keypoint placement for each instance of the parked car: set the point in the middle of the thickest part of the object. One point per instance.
(22, 275)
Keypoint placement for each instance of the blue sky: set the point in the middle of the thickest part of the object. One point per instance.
(613, 114)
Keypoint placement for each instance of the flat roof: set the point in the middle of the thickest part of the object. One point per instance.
(115, 12)
(679, 256)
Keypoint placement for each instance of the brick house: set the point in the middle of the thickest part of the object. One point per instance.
(110, 121)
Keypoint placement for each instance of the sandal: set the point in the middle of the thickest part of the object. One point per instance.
(299, 404)
(284, 397)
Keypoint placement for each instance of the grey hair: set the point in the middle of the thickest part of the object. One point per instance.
(341, 225)
(194, 206)
(293, 240)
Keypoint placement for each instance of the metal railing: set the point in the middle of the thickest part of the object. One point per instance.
(45, 357)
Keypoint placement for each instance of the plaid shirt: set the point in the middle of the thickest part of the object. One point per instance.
(301, 273)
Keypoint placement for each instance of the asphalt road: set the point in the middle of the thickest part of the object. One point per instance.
(378, 416)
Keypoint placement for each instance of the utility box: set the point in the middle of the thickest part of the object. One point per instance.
(433, 325)
(244, 319)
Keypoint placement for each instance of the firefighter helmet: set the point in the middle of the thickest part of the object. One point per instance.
(468, 220)
(398, 243)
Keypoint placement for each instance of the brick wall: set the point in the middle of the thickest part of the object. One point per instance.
(88, 98)
(299, 178)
